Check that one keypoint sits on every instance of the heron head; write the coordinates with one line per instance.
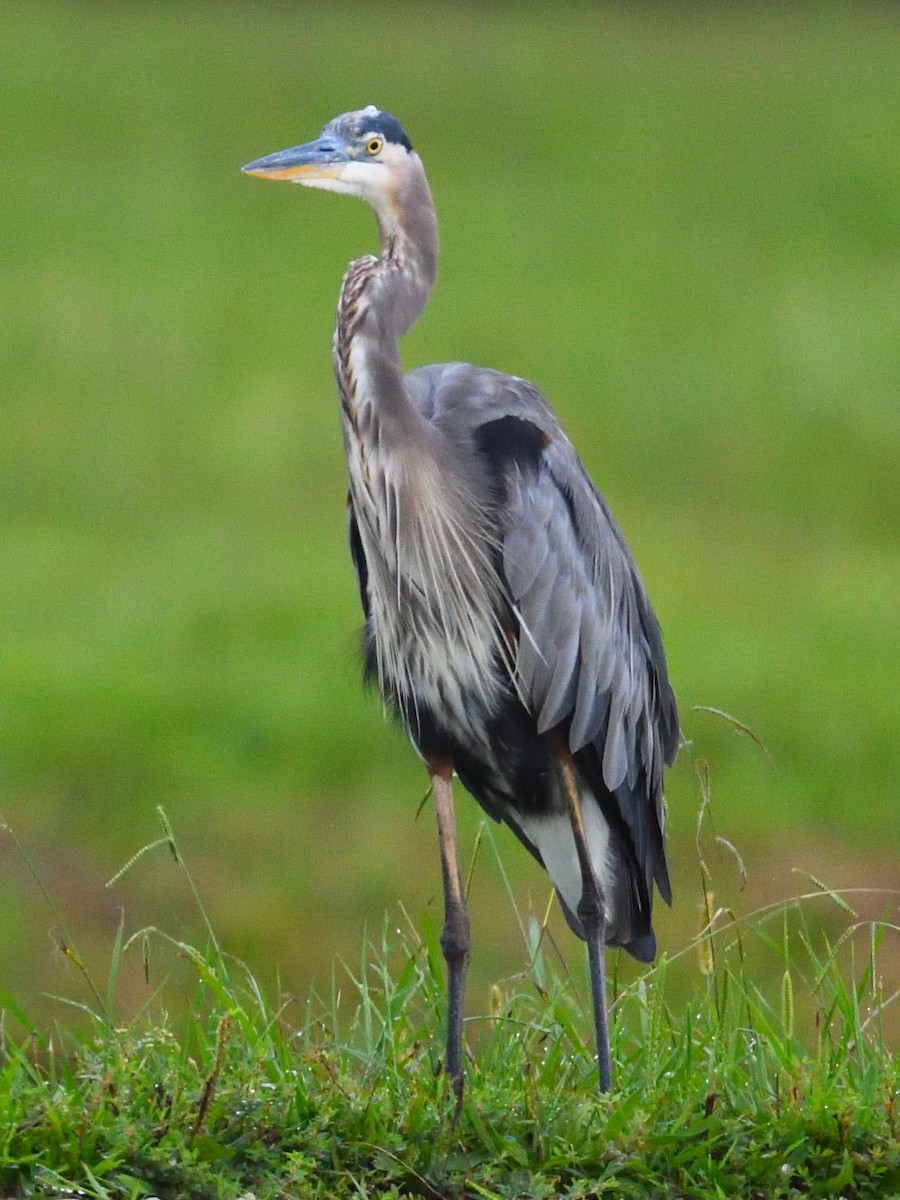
(364, 153)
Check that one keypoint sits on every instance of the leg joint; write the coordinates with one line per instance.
(454, 937)
(591, 910)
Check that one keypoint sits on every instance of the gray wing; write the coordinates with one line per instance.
(590, 651)
(595, 653)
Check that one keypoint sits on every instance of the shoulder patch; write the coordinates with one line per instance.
(512, 439)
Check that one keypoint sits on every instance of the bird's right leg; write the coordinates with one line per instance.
(455, 934)
(591, 913)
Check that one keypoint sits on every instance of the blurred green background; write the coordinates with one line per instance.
(680, 221)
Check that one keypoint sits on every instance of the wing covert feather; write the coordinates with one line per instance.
(590, 649)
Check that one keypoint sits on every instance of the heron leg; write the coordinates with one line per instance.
(455, 934)
(591, 915)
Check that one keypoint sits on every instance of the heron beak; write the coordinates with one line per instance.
(324, 158)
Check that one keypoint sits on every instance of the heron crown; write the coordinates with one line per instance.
(353, 126)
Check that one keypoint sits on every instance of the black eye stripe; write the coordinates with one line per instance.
(360, 126)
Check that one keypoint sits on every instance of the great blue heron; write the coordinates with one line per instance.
(506, 623)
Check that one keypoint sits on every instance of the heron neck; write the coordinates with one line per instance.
(404, 275)
(381, 299)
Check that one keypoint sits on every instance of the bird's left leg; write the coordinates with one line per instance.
(591, 913)
(455, 934)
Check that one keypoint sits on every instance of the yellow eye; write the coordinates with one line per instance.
(374, 145)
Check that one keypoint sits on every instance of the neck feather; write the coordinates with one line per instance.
(402, 278)
(381, 299)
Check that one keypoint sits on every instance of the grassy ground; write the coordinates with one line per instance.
(683, 225)
(738, 1092)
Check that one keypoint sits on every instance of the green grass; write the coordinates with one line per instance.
(680, 221)
(735, 1093)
